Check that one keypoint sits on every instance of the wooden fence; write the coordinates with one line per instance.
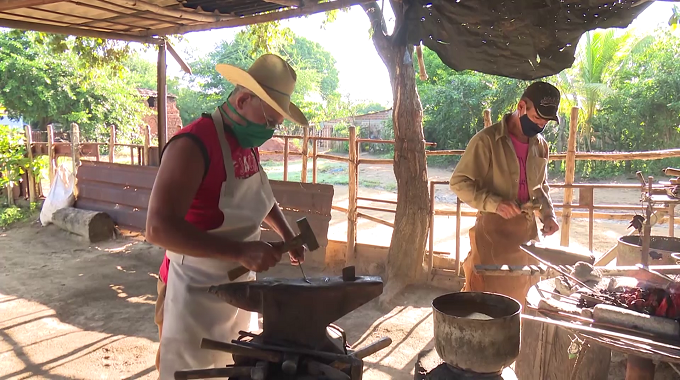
(147, 155)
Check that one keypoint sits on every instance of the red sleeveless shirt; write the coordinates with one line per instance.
(204, 211)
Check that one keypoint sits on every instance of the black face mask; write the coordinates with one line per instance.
(529, 128)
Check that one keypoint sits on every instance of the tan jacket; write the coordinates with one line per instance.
(488, 171)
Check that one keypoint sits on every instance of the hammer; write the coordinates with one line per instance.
(306, 237)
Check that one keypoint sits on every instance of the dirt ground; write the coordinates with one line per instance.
(73, 311)
(69, 310)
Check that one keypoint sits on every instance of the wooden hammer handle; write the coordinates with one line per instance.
(280, 246)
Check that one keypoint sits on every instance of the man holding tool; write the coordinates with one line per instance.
(503, 174)
(208, 202)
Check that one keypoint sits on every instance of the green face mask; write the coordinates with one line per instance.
(251, 134)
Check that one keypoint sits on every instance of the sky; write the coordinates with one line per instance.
(363, 75)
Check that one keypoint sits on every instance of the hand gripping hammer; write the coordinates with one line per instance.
(306, 237)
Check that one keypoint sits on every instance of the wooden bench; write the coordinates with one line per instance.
(123, 192)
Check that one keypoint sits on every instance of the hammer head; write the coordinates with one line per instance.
(307, 235)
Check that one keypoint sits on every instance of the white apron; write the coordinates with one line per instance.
(191, 313)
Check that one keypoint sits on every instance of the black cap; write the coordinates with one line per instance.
(546, 99)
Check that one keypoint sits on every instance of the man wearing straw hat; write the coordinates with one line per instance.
(207, 204)
(503, 169)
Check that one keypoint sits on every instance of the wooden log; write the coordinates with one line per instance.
(305, 153)
(93, 225)
(350, 257)
(31, 176)
(569, 177)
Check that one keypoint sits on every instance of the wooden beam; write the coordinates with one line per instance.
(286, 3)
(183, 15)
(119, 14)
(73, 31)
(8, 5)
(261, 18)
(162, 98)
(185, 67)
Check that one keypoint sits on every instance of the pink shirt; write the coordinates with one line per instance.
(522, 151)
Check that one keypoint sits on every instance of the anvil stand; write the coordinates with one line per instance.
(294, 342)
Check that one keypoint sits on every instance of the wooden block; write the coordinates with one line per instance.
(92, 225)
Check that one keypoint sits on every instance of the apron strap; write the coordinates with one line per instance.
(226, 149)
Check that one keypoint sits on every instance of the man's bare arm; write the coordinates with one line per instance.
(179, 176)
(276, 220)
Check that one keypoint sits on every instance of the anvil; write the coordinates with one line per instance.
(297, 313)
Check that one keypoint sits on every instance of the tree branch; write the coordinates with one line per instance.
(375, 16)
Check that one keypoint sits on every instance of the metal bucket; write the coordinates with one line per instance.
(629, 249)
(477, 332)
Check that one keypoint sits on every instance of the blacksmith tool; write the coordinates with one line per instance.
(299, 313)
(306, 237)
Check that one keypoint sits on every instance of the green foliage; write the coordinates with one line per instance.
(453, 104)
(46, 79)
(13, 214)
(316, 92)
(626, 86)
(12, 155)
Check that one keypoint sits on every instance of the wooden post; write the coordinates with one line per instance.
(112, 143)
(430, 264)
(132, 155)
(350, 258)
(162, 98)
(569, 177)
(75, 147)
(97, 153)
(647, 231)
(305, 151)
(671, 220)
(29, 152)
(10, 192)
(458, 219)
(487, 118)
(285, 158)
(314, 153)
(147, 139)
(585, 198)
(50, 151)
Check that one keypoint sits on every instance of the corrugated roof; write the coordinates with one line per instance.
(143, 20)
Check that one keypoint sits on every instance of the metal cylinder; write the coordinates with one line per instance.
(629, 249)
(477, 332)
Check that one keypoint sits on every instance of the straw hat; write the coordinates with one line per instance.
(271, 79)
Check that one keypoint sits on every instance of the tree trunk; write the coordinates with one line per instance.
(411, 222)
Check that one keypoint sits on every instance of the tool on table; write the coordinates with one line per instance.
(524, 247)
(306, 237)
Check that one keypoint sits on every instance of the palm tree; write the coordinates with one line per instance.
(599, 54)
